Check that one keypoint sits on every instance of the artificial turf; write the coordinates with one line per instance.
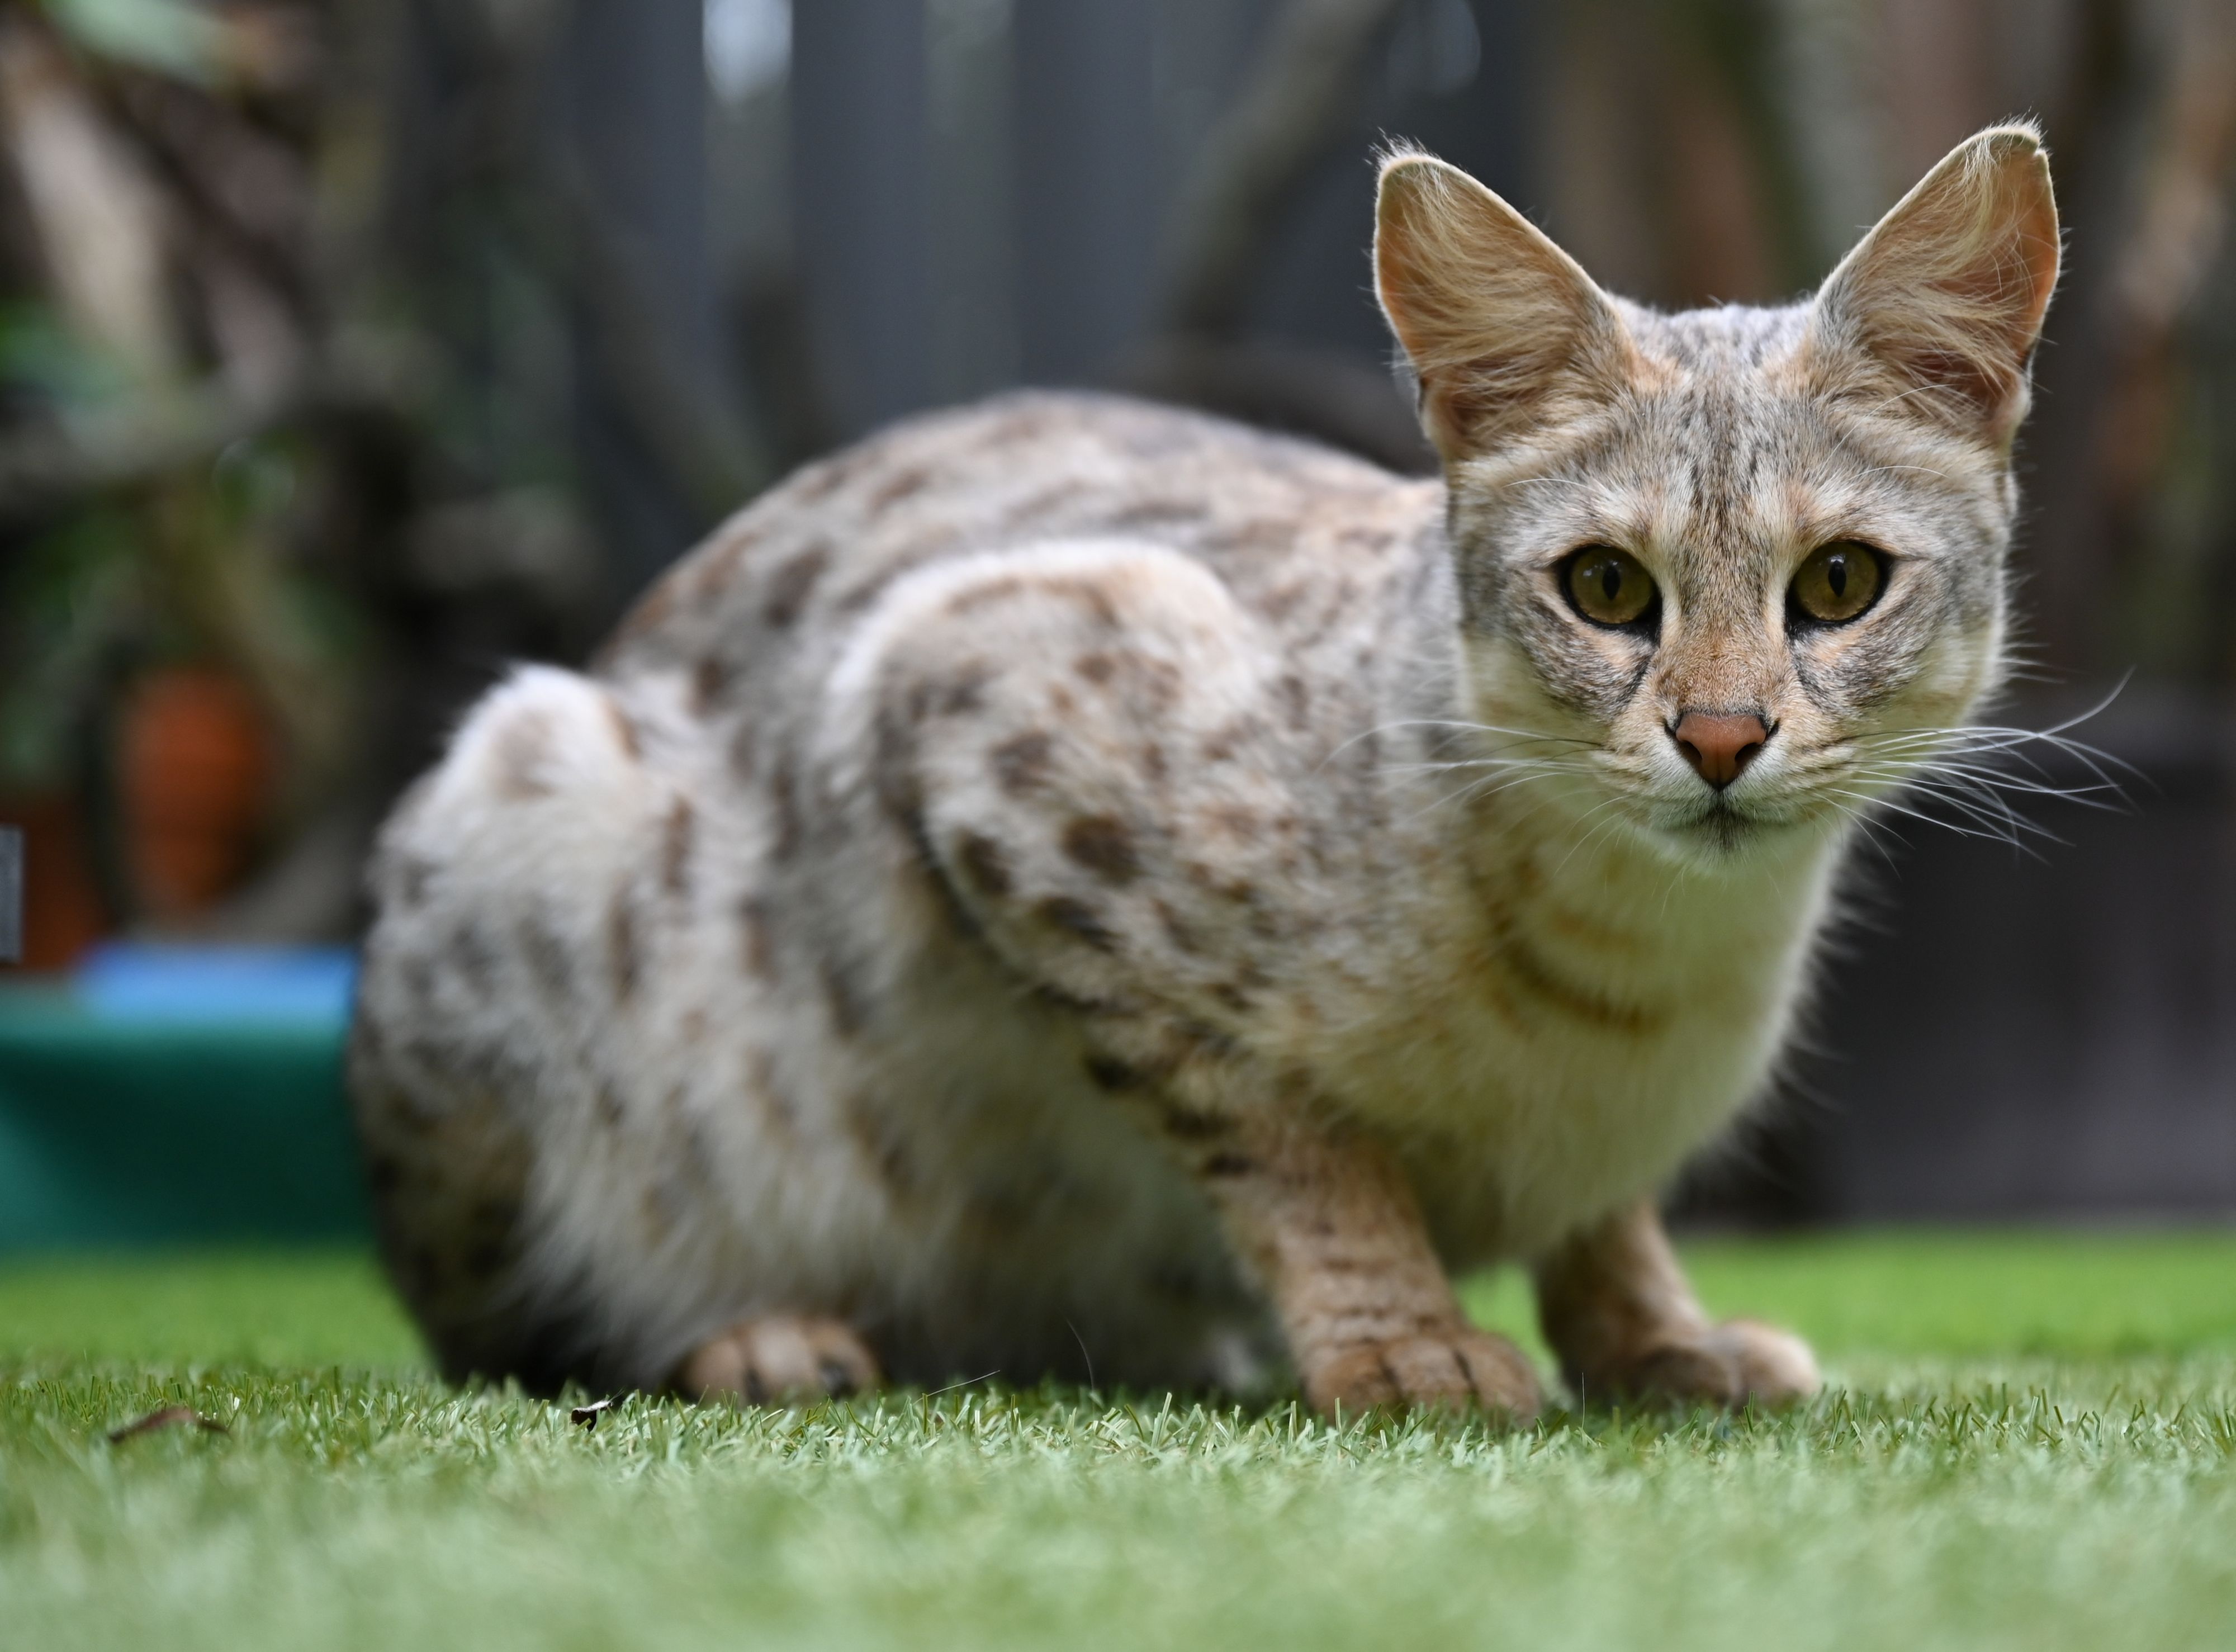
(2030, 1442)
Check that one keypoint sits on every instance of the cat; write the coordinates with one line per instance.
(1073, 887)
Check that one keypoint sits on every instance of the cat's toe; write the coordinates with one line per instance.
(780, 1359)
(1455, 1369)
(1739, 1363)
(1769, 1366)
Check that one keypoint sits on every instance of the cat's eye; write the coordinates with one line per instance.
(1838, 581)
(1610, 587)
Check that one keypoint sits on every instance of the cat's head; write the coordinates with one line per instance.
(1728, 564)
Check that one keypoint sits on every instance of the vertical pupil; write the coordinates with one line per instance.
(1835, 575)
(1611, 581)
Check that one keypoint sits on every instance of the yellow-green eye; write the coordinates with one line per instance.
(1609, 586)
(1838, 582)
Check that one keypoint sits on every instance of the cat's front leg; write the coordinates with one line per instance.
(1121, 788)
(1330, 1227)
(1615, 1305)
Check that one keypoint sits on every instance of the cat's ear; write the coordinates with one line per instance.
(1502, 327)
(1949, 291)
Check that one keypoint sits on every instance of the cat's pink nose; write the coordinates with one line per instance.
(1719, 744)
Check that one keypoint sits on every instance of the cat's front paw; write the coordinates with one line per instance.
(1457, 1368)
(1739, 1363)
(781, 1359)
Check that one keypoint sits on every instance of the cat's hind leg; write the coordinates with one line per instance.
(1615, 1304)
(779, 1358)
(484, 1067)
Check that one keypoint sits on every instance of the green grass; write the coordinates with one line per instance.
(2032, 1444)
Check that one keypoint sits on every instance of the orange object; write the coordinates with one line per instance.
(63, 912)
(194, 775)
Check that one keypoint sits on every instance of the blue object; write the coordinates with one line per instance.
(217, 984)
(176, 1095)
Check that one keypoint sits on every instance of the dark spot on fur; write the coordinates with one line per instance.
(1049, 501)
(790, 585)
(783, 802)
(1076, 918)
(1095, 668)
(1104, 845)
(470, 958)
(1205, 1042)
(1232, 820)
(1109, 1074)
(1093, 595)
(625, 956)
(966, 691)
(675, 848)
(412, 876)
(1079, 1002)
(1189, 1124)
(956, 694)
(844, 993)
(547, 957)
(1520, 963)
(1296, 698)
(821, 481)
(1021, 763)
(624, 731)
(710, 681)
(1232, 996)
(1228, 1165)
(1176, 929)
(1224, 741)
(1156, 513)
(611, 1113)
(761, 1078)
(983, 863)
(988, 590)
(1259, 533)
(649, 615)
(893, 491)
(758, 944)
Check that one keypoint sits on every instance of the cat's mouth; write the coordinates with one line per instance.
(1727, 825)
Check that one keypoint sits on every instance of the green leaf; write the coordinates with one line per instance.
(169, 36)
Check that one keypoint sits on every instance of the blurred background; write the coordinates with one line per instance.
(352, 349)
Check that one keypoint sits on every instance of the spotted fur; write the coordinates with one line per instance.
(1073, 887)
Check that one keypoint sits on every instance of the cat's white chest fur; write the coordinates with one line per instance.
(1558, 1049)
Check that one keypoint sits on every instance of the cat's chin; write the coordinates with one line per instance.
(1725, 836)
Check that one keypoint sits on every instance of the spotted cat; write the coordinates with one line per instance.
(1071, 886)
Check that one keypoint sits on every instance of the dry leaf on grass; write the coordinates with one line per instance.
(169, 1417)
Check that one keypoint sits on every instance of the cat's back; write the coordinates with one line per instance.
(1297, 531)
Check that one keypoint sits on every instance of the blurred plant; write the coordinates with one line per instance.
(265, 415)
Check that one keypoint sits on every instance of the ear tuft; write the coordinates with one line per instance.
(1499, 323)
(1949, 291)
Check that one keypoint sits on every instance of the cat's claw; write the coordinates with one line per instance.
(1737, 1364)
(780, 1359)
(1456, 1369)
